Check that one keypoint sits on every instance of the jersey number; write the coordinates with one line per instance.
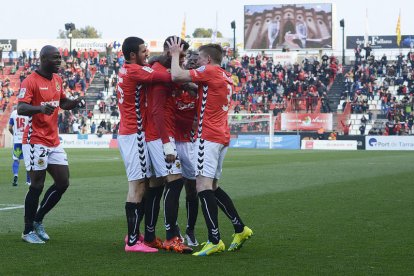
(229, 93)
(20, 123)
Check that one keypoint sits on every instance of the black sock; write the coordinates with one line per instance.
(171, 200)
(50, 199)
(30, 206)
(226, 205)
(141, 211)
(192, 212)
(132, 215)
(210, 212)
(152, 209)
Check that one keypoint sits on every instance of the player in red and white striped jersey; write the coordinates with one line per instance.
(164, 158)
(213, 136)
(131, 139)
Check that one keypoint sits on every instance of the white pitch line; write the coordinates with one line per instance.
(11, 207)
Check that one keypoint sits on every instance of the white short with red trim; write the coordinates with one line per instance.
(185, 151)
(38, 157)
(134, 153)
(159, 164)
(209, 158)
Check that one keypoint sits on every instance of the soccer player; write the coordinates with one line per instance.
(17, 125)
(131, 139)
(213, 136)
(41, 94)
(185, 112)
(163, 154)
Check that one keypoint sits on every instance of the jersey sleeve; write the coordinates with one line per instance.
(26, 92)
(59, 83)
(11, 121)
(201, 74)
(146, 74)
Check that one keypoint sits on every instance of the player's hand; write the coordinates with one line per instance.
(170, 152)
(47, 109)
(170, 158)
(174, 45)
(80, 102)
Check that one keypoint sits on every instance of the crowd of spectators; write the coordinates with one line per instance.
(266, 86)
(389, 82)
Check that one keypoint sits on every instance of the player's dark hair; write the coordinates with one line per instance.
(192, 53)
(183, 42)
(214, 51)
(131, 45)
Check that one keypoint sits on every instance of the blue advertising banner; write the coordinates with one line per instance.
(242, 143)
(262, 141)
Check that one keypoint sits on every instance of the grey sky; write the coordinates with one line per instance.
(155, 19)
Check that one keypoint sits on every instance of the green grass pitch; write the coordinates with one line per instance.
(312, 213)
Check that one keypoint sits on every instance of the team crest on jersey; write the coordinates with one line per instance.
(57, 86)
(22, 92)
(41, 162)
(201, 69)
(178, 164)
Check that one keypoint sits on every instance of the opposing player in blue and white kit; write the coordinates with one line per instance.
(17, 124)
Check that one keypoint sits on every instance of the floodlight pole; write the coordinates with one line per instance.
(70, 41)
(342, 23)
(233, 26)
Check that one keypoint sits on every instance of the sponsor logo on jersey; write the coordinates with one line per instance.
(185, 106)
(22, 92)
(146, 68)
(52, 103)
(43, 88)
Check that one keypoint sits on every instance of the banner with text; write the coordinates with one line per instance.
(329, 145)
(8, 45)
(85, 140)
(380, 41)
(307, 121)
(389, 142)
(279, 141)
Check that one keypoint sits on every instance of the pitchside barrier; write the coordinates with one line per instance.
(329, 145)
(389, 142)
(87, 141)
(261, 141)
(303, 141)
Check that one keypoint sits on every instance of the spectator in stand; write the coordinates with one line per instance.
(106, 84)
(368, 50)
(75, 127)
(362, 129)
(345, 128)
(2, 66)
(84, 129)
(358, 57)
(93, 128)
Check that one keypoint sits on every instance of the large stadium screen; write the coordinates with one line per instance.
(293, 26)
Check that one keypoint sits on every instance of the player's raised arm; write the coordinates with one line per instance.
(178, 74)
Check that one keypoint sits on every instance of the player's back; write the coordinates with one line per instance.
(215, 90)
(19, 123)
(161, 103)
